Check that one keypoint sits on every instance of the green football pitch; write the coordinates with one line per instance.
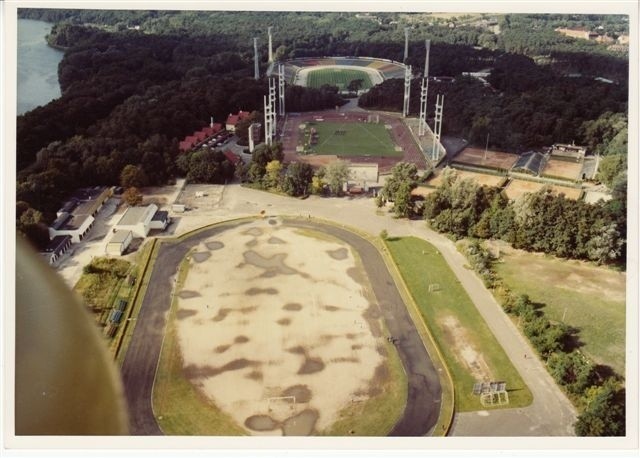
(340, 77)
(351, 139)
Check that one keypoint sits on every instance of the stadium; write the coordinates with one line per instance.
(347, 133)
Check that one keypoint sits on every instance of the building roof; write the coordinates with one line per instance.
(57, 244)
(86, 208)
(160, 215)
(233, 119)
(60, 220)
(530, 162)
(86, 194)
(135, 215)
(120, 236)
(232, 157)
(69, 206)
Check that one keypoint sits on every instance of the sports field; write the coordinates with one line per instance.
(349, 139)
(588, 298)
(340, 77)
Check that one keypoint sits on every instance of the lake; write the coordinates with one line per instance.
(37, 66)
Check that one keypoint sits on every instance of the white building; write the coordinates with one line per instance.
(137, 220)
(76, 226)
(119, 242)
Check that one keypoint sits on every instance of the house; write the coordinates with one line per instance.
(56, 248)
(234, 119)
(137, 220)
(574, 152)
(119, 242)
(77, 215)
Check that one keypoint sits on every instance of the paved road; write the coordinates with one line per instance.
(139, 368)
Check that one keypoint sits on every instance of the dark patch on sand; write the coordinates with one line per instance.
(261, 423)
(214, 245)
(345, 359)
(186, 294)
(255, 375)
(221, 348)
(356, 275)
(381, 350)
(284, 321)
(339, 254)
(302, 424)
(272, 265)
(356, 347)
(255, 231)
(276, 241)
(331, 308)
(299, 350)
(372, 312)
(301, 392)
(255, 291)
(381, 374)
(350, 335)
(292, 307)
(192, 371)
(250, 309)
(222, 314)
(241, 339)
(251, 243)
(201, 256)
(182, 314)
(273, 222)
(311, 366)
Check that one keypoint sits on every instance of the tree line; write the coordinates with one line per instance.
(598, 392)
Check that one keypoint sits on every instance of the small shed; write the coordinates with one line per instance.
(119, 242)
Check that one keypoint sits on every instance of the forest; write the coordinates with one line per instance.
(136, 82)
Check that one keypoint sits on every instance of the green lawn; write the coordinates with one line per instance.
(351, 139)
(340, 77)
(468, 346)
(589, 298)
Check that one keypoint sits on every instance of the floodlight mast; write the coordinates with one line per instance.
(270, 44)
(281, 110)
(406, 44)
(437, 129)
(407, 90)
(424, 91)
(256, 68)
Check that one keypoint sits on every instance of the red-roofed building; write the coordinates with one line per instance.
(234, 119)
(185, 146)
(200, 136)
(232, 157)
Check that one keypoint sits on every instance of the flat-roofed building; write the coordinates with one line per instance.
(574, 152)
(137, 220)
(119, 242)
(57, 247)
(75, 226)
(160, 220)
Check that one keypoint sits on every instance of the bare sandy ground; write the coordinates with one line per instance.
(276, 364)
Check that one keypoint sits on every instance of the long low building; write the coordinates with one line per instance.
(56, 248)
(140, 220)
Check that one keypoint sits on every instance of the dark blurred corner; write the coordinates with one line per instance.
(65, 382)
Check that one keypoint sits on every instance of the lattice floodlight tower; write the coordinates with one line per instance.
(407, 90)
(406, 43)
(272, 102)
(424, 90)
(256, 68)
(270, 44)
(267, 122)
(281, 89)
(437, 128)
